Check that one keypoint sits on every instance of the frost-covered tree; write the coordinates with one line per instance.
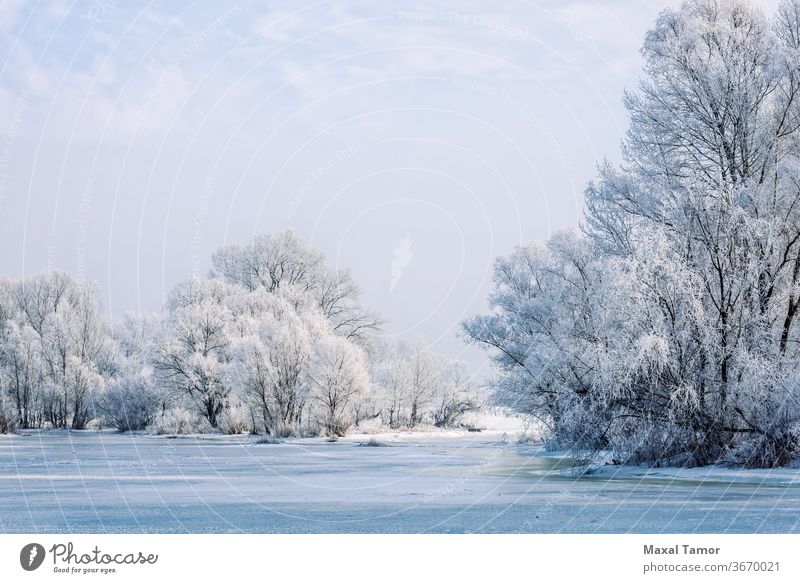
(270, 360)
(51, 348)
(711, 174)
(192, 358)
(133, 337)
(254, 344)
(271, 261)
(413, 385)
(675, 340)
(455, 395)
(390, 373)
(22, 371)
(274, 342)
(131, 399)
(339, 380)
(546, 333)
(8, 417)
(423, 376)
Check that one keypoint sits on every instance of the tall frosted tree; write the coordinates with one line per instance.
(191, 361)
(339, 381)
(679, 343)
(271, 355)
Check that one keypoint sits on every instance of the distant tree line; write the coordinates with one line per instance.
(273, 342)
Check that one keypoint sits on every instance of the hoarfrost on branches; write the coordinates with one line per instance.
(667, 332)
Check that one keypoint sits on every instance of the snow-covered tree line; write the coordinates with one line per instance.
(667, 331)
(274, 342)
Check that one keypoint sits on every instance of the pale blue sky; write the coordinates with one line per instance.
(413, 142)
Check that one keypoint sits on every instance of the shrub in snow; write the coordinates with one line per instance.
(236, 419)
(285, 431)
(309, 431)
(179, 421)
(373, 443)
(129, 403)
(528, 438)
(765, 451)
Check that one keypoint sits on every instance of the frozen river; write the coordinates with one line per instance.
(61, 481)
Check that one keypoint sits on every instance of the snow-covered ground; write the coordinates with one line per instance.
(453, 481)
